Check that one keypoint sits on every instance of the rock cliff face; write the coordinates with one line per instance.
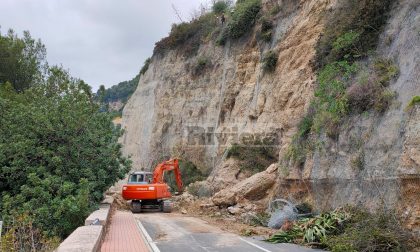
(174, 112)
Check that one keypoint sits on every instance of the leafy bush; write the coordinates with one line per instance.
(253, 158)
(243, 17)
(187, 37)
(270, 61)
(266, 29)
(220, 6)
(145, 66)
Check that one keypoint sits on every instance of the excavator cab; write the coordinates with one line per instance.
(140, 178)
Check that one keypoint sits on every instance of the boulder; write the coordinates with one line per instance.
(253, 188)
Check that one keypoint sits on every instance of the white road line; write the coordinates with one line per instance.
(255, 245)
(146, 235)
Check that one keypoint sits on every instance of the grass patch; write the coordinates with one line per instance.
(254, 158)
(415, 100)
(270, 61)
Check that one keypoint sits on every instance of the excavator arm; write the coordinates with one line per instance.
(168, 166)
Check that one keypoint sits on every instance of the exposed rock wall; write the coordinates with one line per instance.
(232, 95)
(173, 112)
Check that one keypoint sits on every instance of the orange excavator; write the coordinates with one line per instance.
(148, 190)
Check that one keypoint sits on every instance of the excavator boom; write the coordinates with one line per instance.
(169, 165)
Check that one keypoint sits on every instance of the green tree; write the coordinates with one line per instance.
(58, 153)
(22, 60)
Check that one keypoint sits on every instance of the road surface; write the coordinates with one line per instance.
(179, 233)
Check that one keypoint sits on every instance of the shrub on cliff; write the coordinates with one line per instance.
(145, 66)
(270, 61)
(58, 153)
(266, 31)
(352, 30)
(187, 36)
(221, 6)
(243, 17)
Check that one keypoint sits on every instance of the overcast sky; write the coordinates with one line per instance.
(100, 41)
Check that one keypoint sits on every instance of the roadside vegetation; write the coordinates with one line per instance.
(58, 152)
(351, 80)
(346, 230)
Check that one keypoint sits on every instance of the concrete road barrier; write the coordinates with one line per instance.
(102, 215)
(83, 239)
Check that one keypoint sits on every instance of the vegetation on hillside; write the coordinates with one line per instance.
(58, 152)
(120, 92)
(187, 37)
(346, 85)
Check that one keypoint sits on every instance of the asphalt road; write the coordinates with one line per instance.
(179, 233)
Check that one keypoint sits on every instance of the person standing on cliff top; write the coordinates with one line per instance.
(222, 19)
